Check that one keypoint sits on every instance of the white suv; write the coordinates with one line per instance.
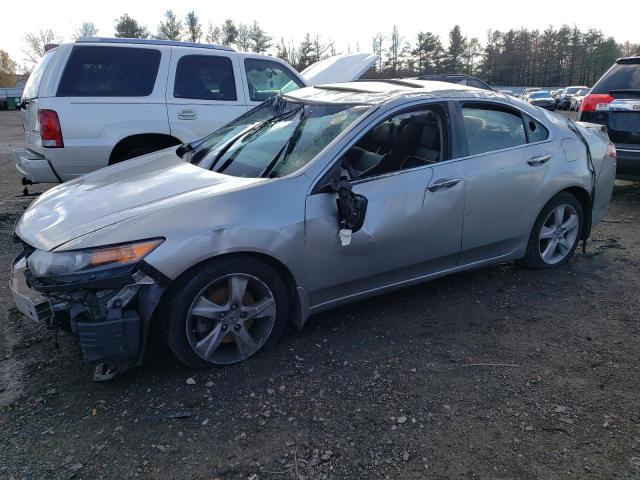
(99, 101)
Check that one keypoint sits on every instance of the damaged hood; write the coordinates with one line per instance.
(113, 194)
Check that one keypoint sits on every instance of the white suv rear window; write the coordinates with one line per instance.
(33, 84)
(93, 71)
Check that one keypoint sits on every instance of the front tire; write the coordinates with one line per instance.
(556, 233)
(224, 312)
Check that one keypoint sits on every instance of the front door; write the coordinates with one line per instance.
(413, 224)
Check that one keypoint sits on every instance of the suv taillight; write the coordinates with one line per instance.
(596, 101)
(611, 150)
(50, 131)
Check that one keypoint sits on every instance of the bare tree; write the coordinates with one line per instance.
(213, 34)
(243, 37)
(35, 44)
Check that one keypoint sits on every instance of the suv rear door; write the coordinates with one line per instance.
(204, 91)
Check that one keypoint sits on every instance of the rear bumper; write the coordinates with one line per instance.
(34, 167)
(628, 163)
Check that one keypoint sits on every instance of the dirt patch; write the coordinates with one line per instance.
(495, 373)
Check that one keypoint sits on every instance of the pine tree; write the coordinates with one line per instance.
(260, 41)
(455, 52)
(194, 28)
(171, 28)
(229, 34)
(127, 27)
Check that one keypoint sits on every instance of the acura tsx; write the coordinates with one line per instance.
(313, 199)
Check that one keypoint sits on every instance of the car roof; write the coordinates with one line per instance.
(152, 41)
(375, 92)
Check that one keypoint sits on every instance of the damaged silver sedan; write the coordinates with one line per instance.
(314, 199)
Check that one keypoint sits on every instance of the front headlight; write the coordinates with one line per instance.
(93, 260)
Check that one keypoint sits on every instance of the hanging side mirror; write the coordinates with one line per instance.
(352, 207)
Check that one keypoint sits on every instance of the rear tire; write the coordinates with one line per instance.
(556, 233)
(210, 316)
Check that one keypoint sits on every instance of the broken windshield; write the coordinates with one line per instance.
(274, 139)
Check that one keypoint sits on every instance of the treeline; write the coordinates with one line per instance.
(518, 57)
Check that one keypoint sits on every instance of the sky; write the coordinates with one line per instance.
(347, 23)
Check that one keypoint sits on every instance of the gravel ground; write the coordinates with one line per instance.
(497, 373)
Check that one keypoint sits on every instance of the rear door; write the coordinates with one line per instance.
(510, 155)
(204, 91)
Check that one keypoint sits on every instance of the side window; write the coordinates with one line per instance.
(408, 140)
(267, 78)
(536, 132)
(109, 72)
(205, 77)
(490, 129)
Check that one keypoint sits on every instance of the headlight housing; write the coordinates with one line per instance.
(90, 261)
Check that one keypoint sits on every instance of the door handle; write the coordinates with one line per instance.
(443, 184)
(187, 115)
(533, 161)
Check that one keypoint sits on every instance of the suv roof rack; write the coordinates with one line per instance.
(152, 41)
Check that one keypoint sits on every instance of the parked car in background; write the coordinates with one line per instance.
(564, 99)
(99, 101)
(541, 98)
(576, 100)
(507, 92)
(316, 198)
(527, 91)
(614, 101)
(460, 79)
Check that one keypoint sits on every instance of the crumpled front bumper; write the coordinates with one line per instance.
(110, 323)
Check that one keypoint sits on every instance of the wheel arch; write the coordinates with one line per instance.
(297, 297)
(586, 202)
(162, 140)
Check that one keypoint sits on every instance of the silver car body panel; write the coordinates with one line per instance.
(410, 233)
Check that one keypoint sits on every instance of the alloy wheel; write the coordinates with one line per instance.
(558, 234)
(231, 319)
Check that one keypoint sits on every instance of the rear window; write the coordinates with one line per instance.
(110, 72)
(490, 129)
(33, 84)
(624, 76)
